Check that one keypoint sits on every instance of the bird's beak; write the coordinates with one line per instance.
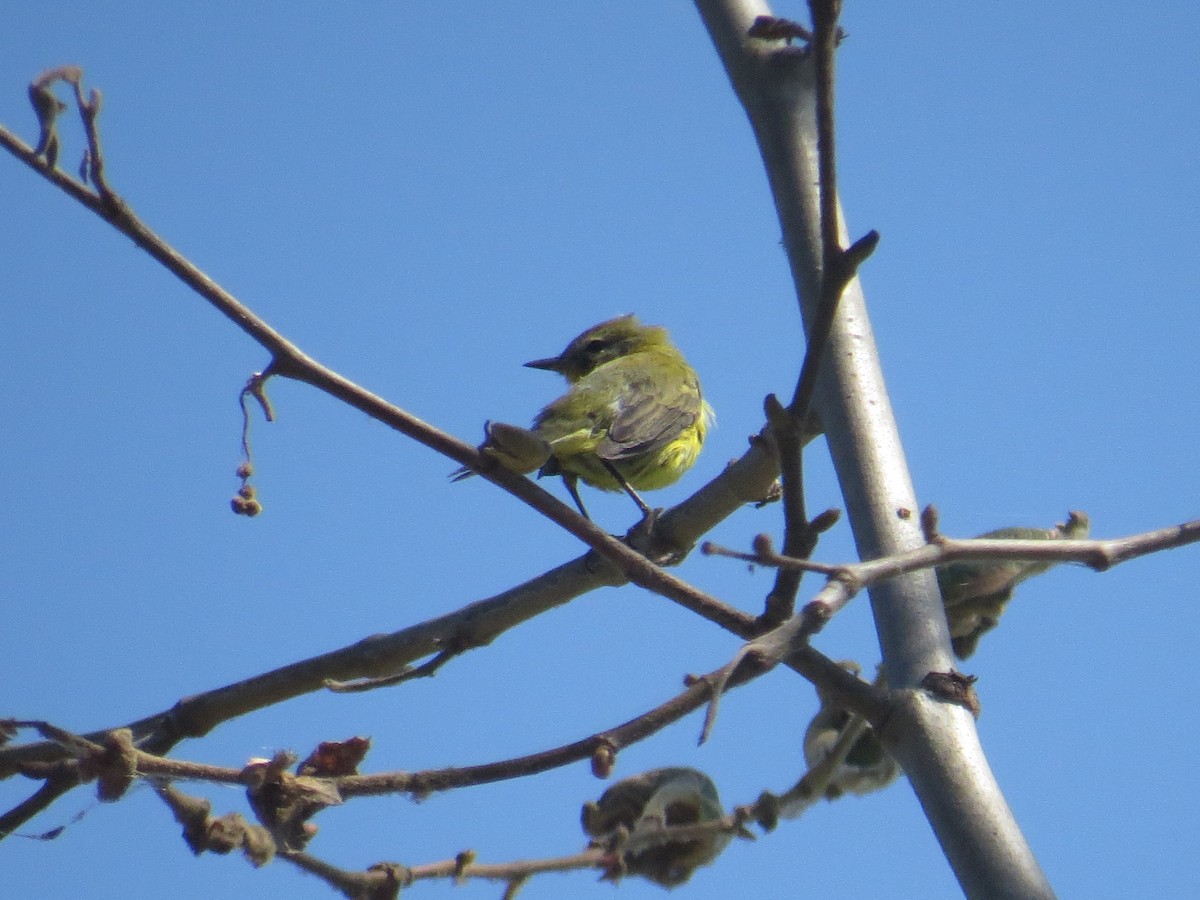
(550, 364)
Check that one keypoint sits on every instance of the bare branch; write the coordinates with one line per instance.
(934, 742)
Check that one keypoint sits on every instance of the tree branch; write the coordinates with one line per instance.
(936, 743)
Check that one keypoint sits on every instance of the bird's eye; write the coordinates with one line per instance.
(594, 346)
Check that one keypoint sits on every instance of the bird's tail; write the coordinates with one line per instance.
(517, 449)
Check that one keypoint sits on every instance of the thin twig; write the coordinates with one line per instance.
(847, 580)
(813, 784)
(453, 868)
(609, 742)
(53, 787)
(838, 269)
(289, 361)
(426, 670)
(799, 540)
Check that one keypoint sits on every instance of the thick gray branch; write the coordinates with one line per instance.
(935, 742)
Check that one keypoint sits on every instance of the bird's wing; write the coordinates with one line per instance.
(627, 417)
(648, 416)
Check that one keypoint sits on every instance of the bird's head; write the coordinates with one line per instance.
(601, 344)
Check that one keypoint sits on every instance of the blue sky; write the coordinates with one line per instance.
(424, 199)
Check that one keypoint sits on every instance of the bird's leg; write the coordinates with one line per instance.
(612, 470)
(572, 483)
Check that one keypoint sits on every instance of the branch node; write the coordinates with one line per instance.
(772, 28)
(954, 687)
(858, 252)
(604, 757)
(929, 524)
(825, 520)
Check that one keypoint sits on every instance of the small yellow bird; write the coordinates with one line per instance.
(633, 418)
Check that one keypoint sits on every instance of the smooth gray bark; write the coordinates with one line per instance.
(935, 742)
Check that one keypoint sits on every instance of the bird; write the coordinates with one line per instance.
(633, 417)
(975, 593)
(866, 767)
(674, 795)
